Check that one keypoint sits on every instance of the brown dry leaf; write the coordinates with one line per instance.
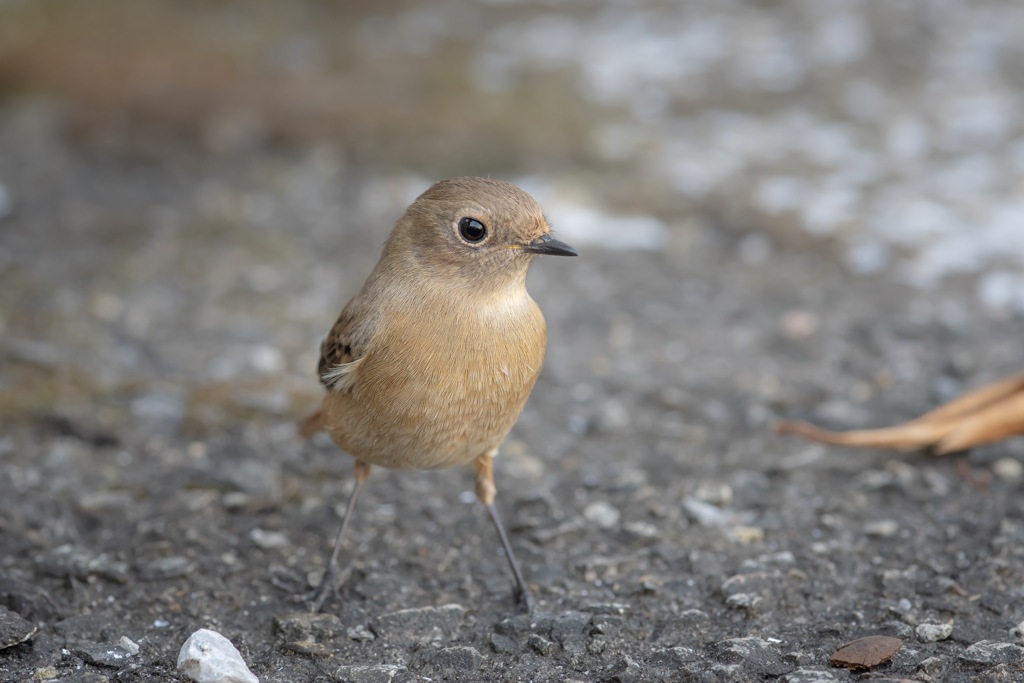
(988, 414)
(865, 653)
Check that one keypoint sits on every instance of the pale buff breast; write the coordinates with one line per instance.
(440, 386)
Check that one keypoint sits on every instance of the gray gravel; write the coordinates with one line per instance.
(163, 296)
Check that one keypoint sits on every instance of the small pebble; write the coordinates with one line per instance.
(165, 568)
(268, 540)
(503, 645)
(13, 628)
(541, 645)
(102, 654)
(930, 633)
(360, 633)
(128, 644)
(1018, 631)
(1008, 469)
(457, 658)
(420, 624)
(209, 657)
(799, 324)
(882, 528)
(372, 673)
(602, 514)
(993, 652)
(705, 514)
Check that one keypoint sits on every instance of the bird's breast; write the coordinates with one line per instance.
(441, 384)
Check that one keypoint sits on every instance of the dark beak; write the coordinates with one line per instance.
(546, 244)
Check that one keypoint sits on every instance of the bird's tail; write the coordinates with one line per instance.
(311, 425)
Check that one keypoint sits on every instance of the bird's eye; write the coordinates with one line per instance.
(472, 230)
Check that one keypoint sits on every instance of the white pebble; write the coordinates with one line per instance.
(930, 633)
(268, 540)
(1008, 469)
(129, 644)
(209, 657)
(882, 527)
(602, 514)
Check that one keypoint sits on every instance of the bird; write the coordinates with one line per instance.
(430, 364)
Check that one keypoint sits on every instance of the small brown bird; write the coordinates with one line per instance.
(430, 364)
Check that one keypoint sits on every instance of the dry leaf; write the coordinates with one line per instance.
(988, 414)
(865, 653)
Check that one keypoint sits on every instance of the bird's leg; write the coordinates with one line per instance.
(327, 584)
(485, 493)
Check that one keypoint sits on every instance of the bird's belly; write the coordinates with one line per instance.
(410, 417)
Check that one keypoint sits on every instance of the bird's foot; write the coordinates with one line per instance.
(524, 599)
(329, 585)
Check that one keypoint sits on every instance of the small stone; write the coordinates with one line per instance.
(607, 625)
(269, 540)
(1018, 631)
(13, 628)
(799, 324)
(993, 652)
(705, 514)
(165, 568)
(674, 657)
(626, 670)
(209, 657)
(933, 666)
(1008, 469)
(360, 634)
(102, 654)
(747, 601)
(755, 655)
(45, 673)
(747, 534)
(642, 530)
(865, 653)
(569, 526)
(541, 645)
(374, 673)
(420, 624)
(90, 627)
(130, 645)
(810, 676)
(882, 528)
(521, 624)
(160, 410)
(602, 514)
(931, 633)
(66, 561)
(301, 626)
(85, 677)
(503, 645)
(569, 625)
(310, 648)
(458, 658)
(27, 599)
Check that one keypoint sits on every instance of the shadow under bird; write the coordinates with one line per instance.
(430, 364)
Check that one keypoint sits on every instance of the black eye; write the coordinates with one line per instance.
(471, 229)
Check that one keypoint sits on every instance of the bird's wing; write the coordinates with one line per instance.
(344, 348)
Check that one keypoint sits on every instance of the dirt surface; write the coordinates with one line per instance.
(162, 302)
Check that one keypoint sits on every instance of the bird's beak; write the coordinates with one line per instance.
(546, 244)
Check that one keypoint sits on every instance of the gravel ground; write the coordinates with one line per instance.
(161, 309)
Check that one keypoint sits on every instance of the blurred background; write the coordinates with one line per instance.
(189, 191)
